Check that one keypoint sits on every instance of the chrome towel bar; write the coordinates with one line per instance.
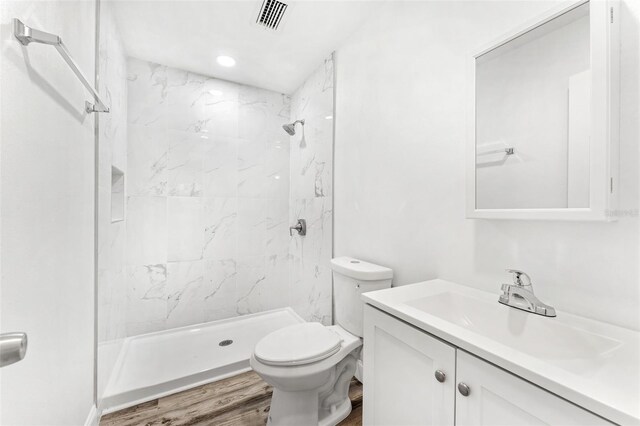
(26, 35)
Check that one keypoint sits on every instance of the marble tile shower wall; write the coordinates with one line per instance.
(207, 199)
(311, 196)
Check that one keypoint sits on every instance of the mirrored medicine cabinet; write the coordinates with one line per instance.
(543, 132)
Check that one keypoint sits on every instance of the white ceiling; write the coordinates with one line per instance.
(191, 34)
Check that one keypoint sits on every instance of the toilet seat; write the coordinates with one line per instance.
(298, 344)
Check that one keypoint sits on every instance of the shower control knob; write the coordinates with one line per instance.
(464, 389)
(301, 228)
(440, 376)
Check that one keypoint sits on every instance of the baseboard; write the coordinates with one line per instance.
(93, 417)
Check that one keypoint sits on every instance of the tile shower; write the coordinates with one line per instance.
(212, 185)
(208, 194)
(311, 190)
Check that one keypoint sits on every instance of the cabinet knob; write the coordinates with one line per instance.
(464, 389)
(440, 376)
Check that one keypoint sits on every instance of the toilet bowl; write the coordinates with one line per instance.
(309, 365)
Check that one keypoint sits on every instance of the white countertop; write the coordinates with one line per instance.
(607, 385)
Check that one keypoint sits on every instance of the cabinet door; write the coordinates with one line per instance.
(400, 361)
(497, 397)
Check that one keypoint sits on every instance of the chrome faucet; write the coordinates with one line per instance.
(300, 227)
(520, 295)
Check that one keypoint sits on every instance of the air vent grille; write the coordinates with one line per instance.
(271, 13)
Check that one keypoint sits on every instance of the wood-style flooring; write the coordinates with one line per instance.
(241, 400)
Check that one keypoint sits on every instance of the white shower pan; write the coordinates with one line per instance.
(157, 364)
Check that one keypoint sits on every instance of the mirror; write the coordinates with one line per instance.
(532, 112)
(538, 146)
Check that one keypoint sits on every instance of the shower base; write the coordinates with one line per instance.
(153, 365)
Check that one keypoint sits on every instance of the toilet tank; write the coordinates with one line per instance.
(351, 278)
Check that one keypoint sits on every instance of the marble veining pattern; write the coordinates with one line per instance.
(208, 198)
(185, 293)
(310, 196)
(220, 281)
(213, 185)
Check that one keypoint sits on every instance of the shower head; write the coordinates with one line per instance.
(291, 128)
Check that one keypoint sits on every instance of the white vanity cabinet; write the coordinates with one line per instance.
(400, 362)
(498, 397)
(401, 388)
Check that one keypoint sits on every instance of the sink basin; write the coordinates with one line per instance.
(541, 337)
(590, 363)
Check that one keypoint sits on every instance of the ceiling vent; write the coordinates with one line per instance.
(271, 13)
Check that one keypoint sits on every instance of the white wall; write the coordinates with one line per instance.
(400, 149)
(47, 187)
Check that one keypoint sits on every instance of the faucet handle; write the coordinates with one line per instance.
(520, 278)
(301, 228)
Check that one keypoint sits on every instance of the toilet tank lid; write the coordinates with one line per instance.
(359, 269)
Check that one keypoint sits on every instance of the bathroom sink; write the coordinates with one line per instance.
(590, 363)
(541, 337)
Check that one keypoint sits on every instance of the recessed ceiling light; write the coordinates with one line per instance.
(329, 117)
(225, 61)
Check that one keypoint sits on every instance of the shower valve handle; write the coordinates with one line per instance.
(301, 227)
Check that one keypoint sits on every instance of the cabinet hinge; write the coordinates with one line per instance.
(611, 185)
(611, 14)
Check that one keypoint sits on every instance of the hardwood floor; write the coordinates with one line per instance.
(239, 400)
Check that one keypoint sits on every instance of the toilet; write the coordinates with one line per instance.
(311, 365)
